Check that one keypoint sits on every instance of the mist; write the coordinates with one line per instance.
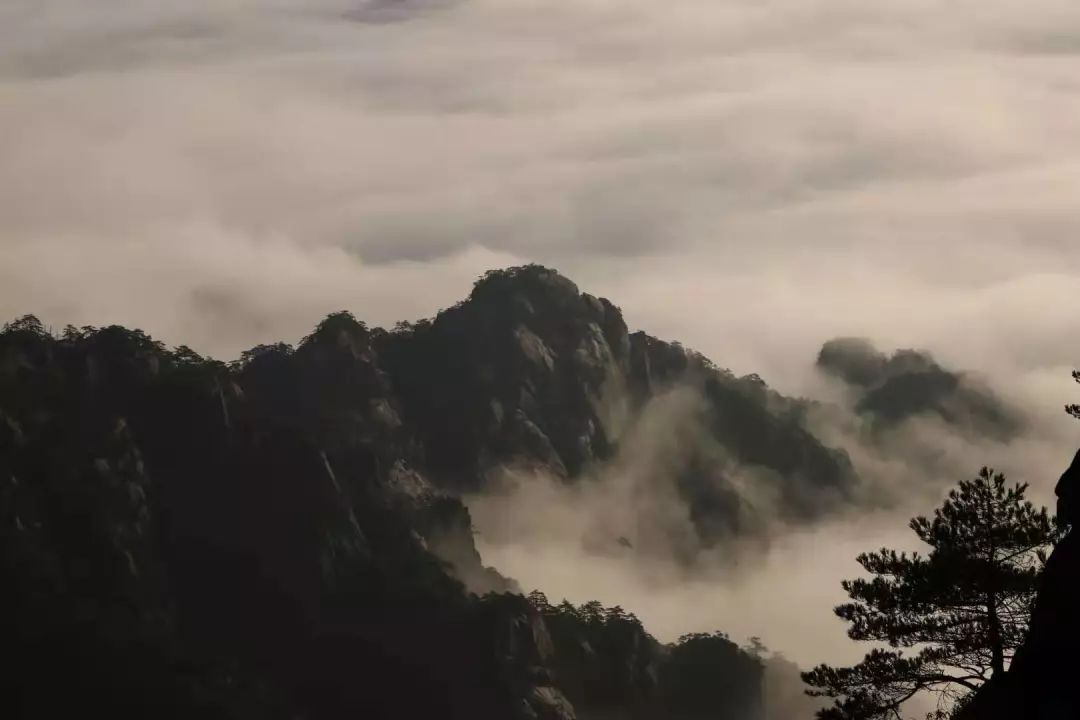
(624, 535)
(748, 178)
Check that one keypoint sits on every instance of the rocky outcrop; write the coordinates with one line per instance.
(525, 653)
(1039, 683)
(888, 389)
(537, 375)
(532, 370)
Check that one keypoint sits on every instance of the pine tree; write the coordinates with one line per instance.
(1072, 408)
(953, 617)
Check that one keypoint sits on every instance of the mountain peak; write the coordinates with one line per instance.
(889, 389)
(537, 281)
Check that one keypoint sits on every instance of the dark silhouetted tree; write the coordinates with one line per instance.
(540, 602)
(952, 618)
(1072, 408)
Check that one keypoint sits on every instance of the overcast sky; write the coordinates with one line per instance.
(750, 177)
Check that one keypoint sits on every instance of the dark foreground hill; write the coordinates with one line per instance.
(281, 536)
(1041, 681)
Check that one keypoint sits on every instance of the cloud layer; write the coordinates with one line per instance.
(186, 158)
(747, 177)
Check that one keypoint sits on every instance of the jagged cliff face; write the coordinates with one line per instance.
(531, 373)
(283, 535)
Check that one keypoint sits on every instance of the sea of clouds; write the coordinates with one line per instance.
(748, 177)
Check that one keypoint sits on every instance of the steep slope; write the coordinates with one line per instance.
(530, 369)
(530, 372)
(182, 538)
(282, 536)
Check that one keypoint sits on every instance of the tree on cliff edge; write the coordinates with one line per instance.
(960, 611)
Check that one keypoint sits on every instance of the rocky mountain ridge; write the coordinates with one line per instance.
(540, 375)
(282, 536)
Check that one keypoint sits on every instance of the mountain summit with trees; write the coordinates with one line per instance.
(281, 536)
